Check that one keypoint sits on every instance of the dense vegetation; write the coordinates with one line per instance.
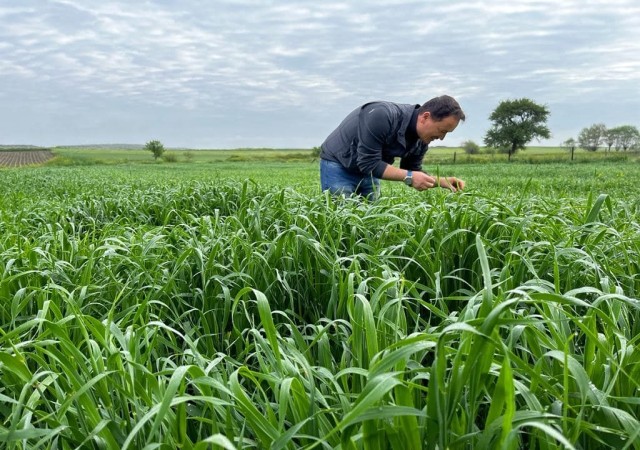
(234, 306)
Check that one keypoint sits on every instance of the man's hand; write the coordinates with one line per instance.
(422, 181)
(452, 183)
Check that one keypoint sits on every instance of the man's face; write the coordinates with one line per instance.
(429, 130)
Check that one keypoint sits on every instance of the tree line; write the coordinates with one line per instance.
(624, 137)
(515, 123)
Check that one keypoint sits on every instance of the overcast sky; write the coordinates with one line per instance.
(283, 74)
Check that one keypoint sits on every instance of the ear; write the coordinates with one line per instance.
(424, 116)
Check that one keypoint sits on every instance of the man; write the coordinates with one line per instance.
(361, 151)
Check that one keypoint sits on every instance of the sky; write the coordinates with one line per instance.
(283, 74)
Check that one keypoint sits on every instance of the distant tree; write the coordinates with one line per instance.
(610, 137)
(515, 124)
(591, 138)
(570, 144)
(315, 152)
(155, 147)
(470, 147)
(188, 155)
(626, 137)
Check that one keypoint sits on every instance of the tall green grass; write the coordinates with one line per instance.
(149, 308)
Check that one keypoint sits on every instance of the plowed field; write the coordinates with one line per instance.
(24, 158)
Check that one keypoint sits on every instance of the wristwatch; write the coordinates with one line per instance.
(408, 180)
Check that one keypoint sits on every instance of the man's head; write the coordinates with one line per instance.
(437, 117)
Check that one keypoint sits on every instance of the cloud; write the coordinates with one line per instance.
(212, 59)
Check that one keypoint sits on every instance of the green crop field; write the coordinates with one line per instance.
(230, 304)
(442, 155)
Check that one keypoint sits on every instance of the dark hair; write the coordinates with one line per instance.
(441, 107)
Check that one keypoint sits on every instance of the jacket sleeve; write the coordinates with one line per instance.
(375, 126)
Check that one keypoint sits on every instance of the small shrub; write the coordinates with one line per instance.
(470, 147)
(170, 157)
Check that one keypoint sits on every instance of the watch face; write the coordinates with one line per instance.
(408, 181)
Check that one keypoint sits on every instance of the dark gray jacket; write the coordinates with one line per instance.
(371, 137)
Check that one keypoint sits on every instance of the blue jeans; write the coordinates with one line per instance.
(337, 180)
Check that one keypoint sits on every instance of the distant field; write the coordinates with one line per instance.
(530, 155)
(71, 156)
(16, 155)
(9, 158)
(116, 156)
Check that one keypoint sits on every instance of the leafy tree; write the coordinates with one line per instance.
(610, 138)
(570, 144)
(470, 147)
(155, 147)
(626, 137)
(516, 123)
(591, 137)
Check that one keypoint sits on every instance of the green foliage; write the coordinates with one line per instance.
(515, 123)
(569, 144)
(591, 138)
(188, 155)
(625, 137)
(155, 147)
(436, 155)
(170, 157)
(470, 147)
(179, 306)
